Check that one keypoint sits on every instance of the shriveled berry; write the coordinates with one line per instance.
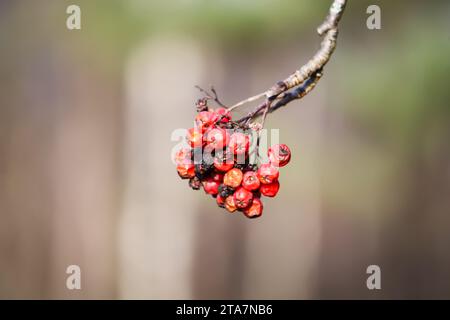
(194, 137)
(202, 170)
(230, 205)
(239, 143)
(205, 120)
(279, 155)
(195, 183)
(271, 189)
(224, 161)
(233, 178)
(210, 186)
(268, 173)
(250, 181)
(216, 138)
(242, 198)
(186, 171)
(255, 210)
(224, 115)
(220, 201)
(225, 190)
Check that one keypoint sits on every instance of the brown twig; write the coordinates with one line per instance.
(303, 80)
(210, 96)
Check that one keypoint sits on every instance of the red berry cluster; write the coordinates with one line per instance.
(218, 161)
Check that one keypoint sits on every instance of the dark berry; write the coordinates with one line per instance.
(195, 183)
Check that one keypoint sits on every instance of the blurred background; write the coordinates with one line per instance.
(86, 178)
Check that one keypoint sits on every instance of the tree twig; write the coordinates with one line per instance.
(304, 79)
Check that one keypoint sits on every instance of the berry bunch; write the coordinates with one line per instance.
(217, 159)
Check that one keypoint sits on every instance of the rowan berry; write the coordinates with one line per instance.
(195, 183)
(255, 210)
(220, 201)
(225, 190)
(186, 170)
(268, 173)
(230, 205)
(205, 119)
(194, 138)
(223, 161)
(217, 176)
(224, 115)
(242, 198)
(210, 186)
(250, 181)
(233, 178)
(279, 155)
(239, 143)
(216, 138)
(271, 189)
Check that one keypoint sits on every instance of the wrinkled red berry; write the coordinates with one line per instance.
(194, 138)
(255, 210)
(224, 115)
(210, 186)
(230, 205)
(233, 178)
(250, 181)
(224, 162)
(220, 201)
(205, 120)
(239, 143)
(243, 198)
(268, 173)
(271, 189)
(186, 171)
(279, 155)
(216, 138)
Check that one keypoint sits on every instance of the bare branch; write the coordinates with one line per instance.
(320, 59)
(210, 96)
(308, 75)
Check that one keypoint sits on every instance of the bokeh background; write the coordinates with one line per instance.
(86, 178)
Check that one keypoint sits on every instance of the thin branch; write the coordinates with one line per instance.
(240, 103)
(284, 98)
(210, 96)
(308, 74)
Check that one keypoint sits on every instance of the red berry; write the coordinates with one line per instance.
(223, 114)
(210, 186)
(217, 176)
(243, 198)
(220, 201)
(271, 189)
(186, 170)
(279, 155)
(250, 181)
(216, 138)
(205, 120)
(230, 205)
(255, 210)
(184, 155)
(194, 137)
(233, 178)
(268, 173)
(239, 143)
(224, 161)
